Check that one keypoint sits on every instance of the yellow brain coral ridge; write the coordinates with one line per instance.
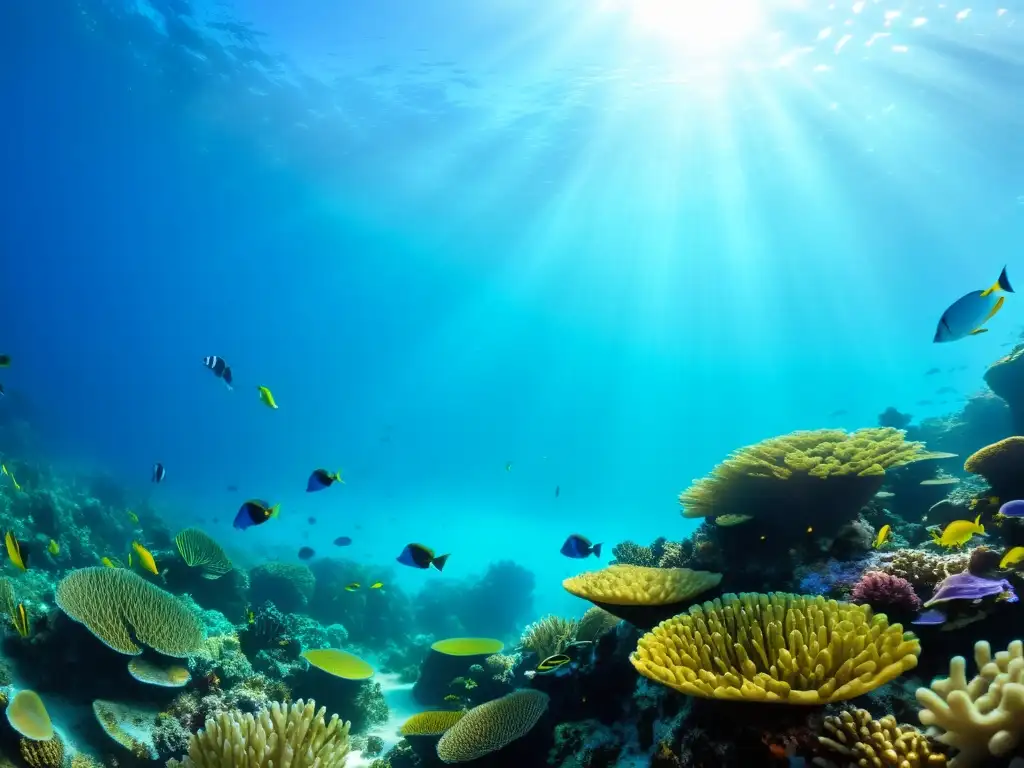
(198, 550)
(638, 585)
(868, 742)
(120, 607)
(492, 726)
(821, 453)
(285, 736)
(431, 723)
(775, 647)
(981, 718)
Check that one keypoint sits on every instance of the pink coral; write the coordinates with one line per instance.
(886, 592)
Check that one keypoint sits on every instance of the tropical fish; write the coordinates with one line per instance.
(419, 556)
(1013, 508)
(145, 558)
(159, 473)
(53, 548)
(14, 551)
(306, 553)
(558, 490)
(941, 481)
(2, 393)
(884, 495)
(945, 391)
(311, 520)
(377, 585)
(556, 665)
(232, 488)
(579, 547)
(959, 532)
(250, 616)
(112, 562)
(20, 620)
(321, 479)
(267, 398)
(220, 368)
(133, 517)
(883, 536)
(1012, 557)
(352, 587)
(966, 316)
(255, 512)
(342, 541)
(5, 471)
(932, 371)
(129, 559)
(837, 414)
(931, 617)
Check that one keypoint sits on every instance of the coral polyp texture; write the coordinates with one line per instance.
(200, 551)
(923, 569)
(808, 469)
(548, 636)
(42, 754)
(431, 723)
(284, 736)
(120, 607)
(884, 591)
(983, 717)
(868, 742)
(999, 463)
(776, 647)
(492, 726)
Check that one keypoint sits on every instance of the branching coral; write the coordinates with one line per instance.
(983, 717)
(631, 553)
(548, 636)
(491, 726)
(867, 742)
(776, 647)
(884, 591)
(285, 736)
(801, 474)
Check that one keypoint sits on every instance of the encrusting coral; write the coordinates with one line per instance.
(923, 569)
(548, 636)
(119, 607)
(284, 736)
(981, 718)
(492, 726)
(877, 743)
(776, 647)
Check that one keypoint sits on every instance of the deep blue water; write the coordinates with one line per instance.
(453, 235)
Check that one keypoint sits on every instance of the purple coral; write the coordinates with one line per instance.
(967, 586)
(886, 592)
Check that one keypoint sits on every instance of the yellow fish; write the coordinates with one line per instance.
(129, 559)
(250, 617)
(377, 585)
(959, 532)
(145, 558)
(882, 537)
(53, 548)
(133, 517)
(14, 552)
(108, 562)
(1012, 557)
(4, 470)
(267, 398)
(352, 587)
(20, 620)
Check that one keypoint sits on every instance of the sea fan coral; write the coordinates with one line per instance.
(883, 591)
(198, 550)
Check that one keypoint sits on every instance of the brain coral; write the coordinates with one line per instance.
(775, 647)
(285, 736)
(492, 726)
(287, 585)
(198, 550)
(120, 607)
(801, 474)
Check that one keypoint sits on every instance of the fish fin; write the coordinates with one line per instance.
(976, 331)
(995, 309)
(439, 561)
(1004, 282)
(597, 550)
(977, 520)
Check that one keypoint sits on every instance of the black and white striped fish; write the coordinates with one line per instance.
(220, 368)
(159, 472)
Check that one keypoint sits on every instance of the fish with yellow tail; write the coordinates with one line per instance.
(1012, 558)
(958, 533)
(966, 316)
(7, 473)
(20, 620)
(883, 536)
(18, 556)
(146, 559)
(267, 398)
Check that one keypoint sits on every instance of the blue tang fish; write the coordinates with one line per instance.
(966, 316)
(255, 512)
(419, 556)
(1013, 508)
(321, 479)
(579, 547)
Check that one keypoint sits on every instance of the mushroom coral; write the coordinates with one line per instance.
(776, 647)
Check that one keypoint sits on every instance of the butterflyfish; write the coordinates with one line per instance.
(220, 369)
(255, 512)
(145, 558)
(883, 536)
(15, 552)
(579, 547)
(267, 398)
(419, 556)
(966, 316)
(321, 479)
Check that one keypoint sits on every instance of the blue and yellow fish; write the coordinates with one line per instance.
(255, 512)
(966, 316)
(321, 479)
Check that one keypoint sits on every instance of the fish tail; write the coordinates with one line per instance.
(438, 562)
(1004, 282)
(597, 550)
(275, 510)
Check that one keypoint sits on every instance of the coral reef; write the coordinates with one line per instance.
(885, 592)
(548, 636)
(865, 741)
(287, 585)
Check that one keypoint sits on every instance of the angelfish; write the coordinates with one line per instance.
(966, 316)
(220, 368)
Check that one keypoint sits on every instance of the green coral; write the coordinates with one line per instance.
(120, 607)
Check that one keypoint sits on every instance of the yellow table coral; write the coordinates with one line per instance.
(776, 647)
(981, 718)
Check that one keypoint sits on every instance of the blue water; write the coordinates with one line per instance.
(451, 235)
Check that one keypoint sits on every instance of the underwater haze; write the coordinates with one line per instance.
(483, 251)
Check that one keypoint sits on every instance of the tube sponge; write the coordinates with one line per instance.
(492, 725)
(285, 736)
(120, 607)
(981, 718)
(776, 647)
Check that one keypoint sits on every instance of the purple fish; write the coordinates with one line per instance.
(579, 547)
(967, 586)
(930, 618)
(1013, 508)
